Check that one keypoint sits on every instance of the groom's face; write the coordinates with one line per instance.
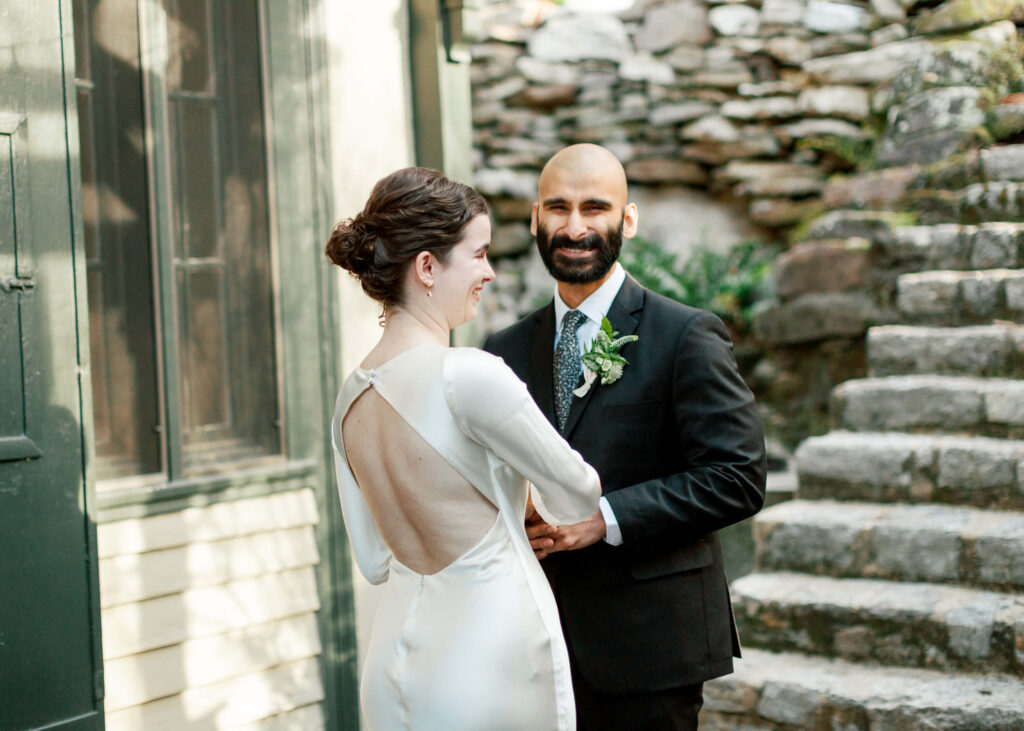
(580, 221)
(582, 260)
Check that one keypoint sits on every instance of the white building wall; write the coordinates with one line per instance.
(371, 136)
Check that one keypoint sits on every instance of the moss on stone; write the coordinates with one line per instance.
(957, 14)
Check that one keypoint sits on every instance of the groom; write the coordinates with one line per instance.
(677, 441)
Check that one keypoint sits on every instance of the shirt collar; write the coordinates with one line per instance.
(596, 306)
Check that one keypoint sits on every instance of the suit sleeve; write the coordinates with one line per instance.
(493, 407)
(719, 437)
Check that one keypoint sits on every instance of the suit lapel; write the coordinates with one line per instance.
(624, 317)
(541, 378)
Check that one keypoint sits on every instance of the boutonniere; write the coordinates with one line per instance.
(602, 358)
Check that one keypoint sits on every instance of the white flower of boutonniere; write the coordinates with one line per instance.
(602, 358)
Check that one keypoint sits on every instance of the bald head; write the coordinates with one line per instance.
(581, 216)
(586, 164)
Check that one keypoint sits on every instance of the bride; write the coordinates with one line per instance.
(433, 448)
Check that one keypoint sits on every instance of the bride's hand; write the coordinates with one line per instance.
(541, 534)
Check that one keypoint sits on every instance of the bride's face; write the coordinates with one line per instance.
(459, 282)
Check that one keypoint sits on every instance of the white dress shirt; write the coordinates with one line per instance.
(595, 307)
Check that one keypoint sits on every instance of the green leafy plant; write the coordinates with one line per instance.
(728, 284)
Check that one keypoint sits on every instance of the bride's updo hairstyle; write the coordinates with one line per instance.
(409, 211)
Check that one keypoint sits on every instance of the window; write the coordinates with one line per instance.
(182, 316)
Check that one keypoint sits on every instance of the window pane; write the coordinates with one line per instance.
(117, 245)
(199, 185)
(222, 253)
(205, 352)
(188, 40)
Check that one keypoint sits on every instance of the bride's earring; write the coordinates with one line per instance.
(430, 289)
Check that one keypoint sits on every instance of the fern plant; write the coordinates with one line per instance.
(728, 284)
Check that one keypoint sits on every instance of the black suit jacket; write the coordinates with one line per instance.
(678, 444)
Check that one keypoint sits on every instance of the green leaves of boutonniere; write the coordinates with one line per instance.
(602, 358)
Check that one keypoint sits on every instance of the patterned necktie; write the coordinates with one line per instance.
(567, 365)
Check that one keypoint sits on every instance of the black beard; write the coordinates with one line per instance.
(580, 272)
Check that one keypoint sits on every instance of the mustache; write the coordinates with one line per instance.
(587, 243)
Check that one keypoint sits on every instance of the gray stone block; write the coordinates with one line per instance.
(772, 107)
(790, 703)
(850, 102)
(917, 625)
(975, 467)
(877, 460)
(998, 550)
(577, 37)
(867, 67)
(931, 293)
(1014, 295)
(984, 350)
(822, 266)
(980, 296)
(914, 552)
(916, 248)
(961, 297)
(673, 23)
(891, 466)
(931, 125)
(734, 20)
(1005, 162)
(874, 226)
(995, 245)
(859, 696)
(818, 316)
(1005, 405)
(939, 543)
(997, 201)
(942, 403)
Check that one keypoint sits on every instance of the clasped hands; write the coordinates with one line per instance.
(546, 538)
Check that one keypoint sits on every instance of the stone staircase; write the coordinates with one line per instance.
(890, 593)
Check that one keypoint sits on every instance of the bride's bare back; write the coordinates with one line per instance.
(427, 513)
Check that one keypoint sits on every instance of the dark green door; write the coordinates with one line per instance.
(50, 663)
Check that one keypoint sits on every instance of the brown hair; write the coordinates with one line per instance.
(409, 211)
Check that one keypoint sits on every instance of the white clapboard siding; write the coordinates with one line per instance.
(168, 620)
(210, 523)
(242, 700)
(307, 718)
(135, 577)
(139, 678)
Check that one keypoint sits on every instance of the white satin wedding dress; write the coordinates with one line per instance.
(477, 645)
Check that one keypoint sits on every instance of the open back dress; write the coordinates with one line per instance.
(477, 644)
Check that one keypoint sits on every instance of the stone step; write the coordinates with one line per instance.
(873, 226)
(995, 201)
(935, 543)
(897, 467)
(961, 297)
(982, 350)
(992, 407)
(819, 316)
(787, 691)
(888, 622)
(1003, 163)
(952, 246)
(975, 203)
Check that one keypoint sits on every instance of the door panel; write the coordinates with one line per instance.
(50, 665)
(16, 285)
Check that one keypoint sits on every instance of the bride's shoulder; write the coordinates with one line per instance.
(471, 374)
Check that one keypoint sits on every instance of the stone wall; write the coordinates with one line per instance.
(740, 119)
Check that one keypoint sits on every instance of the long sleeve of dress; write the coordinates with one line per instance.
(493, 407)
(371, 552)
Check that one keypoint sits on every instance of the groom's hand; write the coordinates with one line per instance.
(579, 535)
(540, 533)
